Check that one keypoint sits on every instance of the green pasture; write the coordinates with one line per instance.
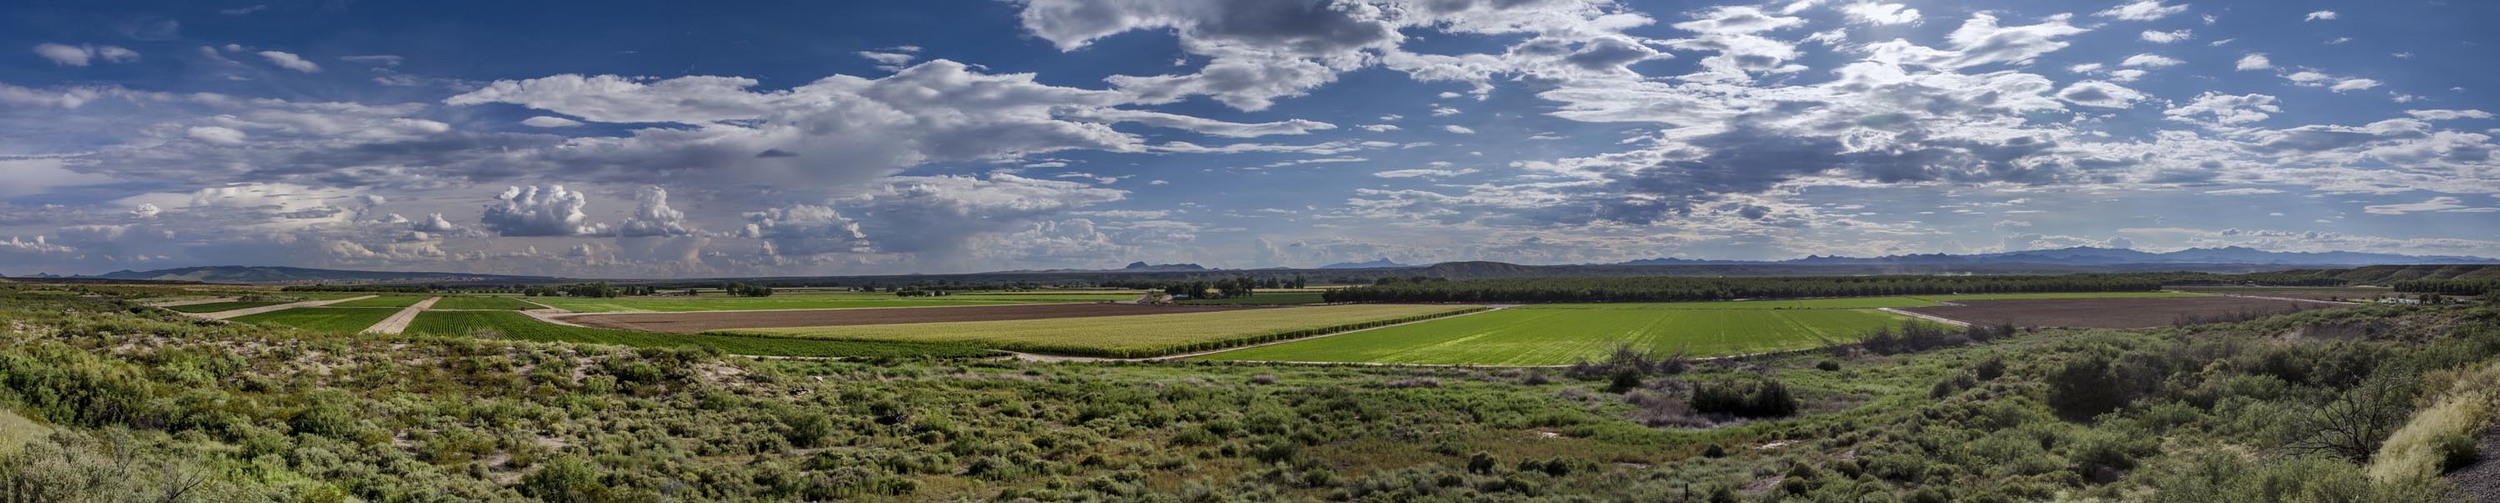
(383, 301)
(504, 303)
(1545, 335)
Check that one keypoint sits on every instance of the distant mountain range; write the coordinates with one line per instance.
(1383, 263)
(275, 275)
(2089, 256)
(2062, 261)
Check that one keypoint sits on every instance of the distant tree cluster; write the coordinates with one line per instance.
(747, 290)
(1680, 288)
(600, 289)
(2458, 287)
(922, 293)
(1234, 287)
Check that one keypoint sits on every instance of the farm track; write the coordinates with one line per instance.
(398, 322)
(221, 315)
(1928, 317)
(179, 303)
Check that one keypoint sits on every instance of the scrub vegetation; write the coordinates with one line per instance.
(517, 326)
(2343, 404)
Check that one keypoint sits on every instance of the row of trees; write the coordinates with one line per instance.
(595, 289)
(2462, 287)
(1234, 287)
(1678, 288)
(747, 290)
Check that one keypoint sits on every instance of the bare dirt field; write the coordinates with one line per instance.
(2347, 293)
(2111, 313)
(695, 322)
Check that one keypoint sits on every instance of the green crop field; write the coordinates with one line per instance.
(383, 301)
(1131, 336)
(505, 303)
(221, 306)
(325, 319)
(813, 300)
(522, 327)
(1262, 298)
(1852, 302)
(1539, 335)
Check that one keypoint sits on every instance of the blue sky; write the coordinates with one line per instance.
(662, 139)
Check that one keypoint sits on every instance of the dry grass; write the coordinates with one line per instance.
(2442, 436)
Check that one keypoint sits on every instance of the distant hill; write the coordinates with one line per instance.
(2385, 274)
(1383, 263)
(1145, 267)
(2090, 256)
(297, 275)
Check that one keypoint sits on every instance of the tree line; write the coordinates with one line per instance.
(1679, 288)
(2461, 287)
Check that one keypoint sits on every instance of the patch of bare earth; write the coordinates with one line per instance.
(696, 322)
(2112, 313)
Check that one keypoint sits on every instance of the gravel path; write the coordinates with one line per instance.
(220, 315)
(398, 322)
(2481, 480)
(1928, 317)
(190, 302)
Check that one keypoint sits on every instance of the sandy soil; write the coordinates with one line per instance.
(398, 322)
(221, 315)
(694, 322)
(2109, 313)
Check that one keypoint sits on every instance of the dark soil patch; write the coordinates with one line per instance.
(696, 322)
(2115, 313)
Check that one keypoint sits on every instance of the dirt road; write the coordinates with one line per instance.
(398, 322)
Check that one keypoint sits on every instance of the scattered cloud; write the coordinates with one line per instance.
(83, 55)
(2144, 10)
(290, 61)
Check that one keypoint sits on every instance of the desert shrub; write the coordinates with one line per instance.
(2352, 425)
(1622, 379)
(1950, 385)
(1989, 369)
(564, 479)
(2085, 387)
(1759, 397)
(1641, 362)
